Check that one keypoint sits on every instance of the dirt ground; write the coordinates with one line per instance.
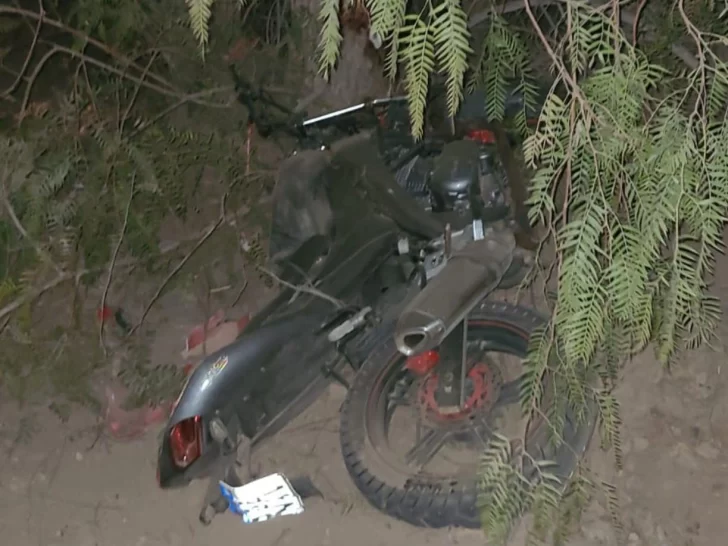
(59, 487)
(55, 489)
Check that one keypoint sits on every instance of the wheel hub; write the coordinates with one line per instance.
(482, 387)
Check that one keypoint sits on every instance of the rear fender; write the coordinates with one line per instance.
(226, 374)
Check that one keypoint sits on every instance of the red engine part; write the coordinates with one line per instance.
(423, 363)
(483, 136)
(486, 136)
(483, 386)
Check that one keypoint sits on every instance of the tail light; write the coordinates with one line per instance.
(185, 441)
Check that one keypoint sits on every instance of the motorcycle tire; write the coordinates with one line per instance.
(428, 501)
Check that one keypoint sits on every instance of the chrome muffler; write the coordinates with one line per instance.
(470, 274)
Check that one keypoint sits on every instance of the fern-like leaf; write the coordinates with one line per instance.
(330, 37)
(200, 12)
(417, 51)
(452, 43)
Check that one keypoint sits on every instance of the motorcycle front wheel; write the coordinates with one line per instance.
(397, 475)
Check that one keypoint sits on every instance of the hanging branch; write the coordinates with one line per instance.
(143, 77)
(31, 50)
(114, 257)
(19, 226)
(627, 17)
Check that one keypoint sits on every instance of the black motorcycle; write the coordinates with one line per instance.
(386, 248)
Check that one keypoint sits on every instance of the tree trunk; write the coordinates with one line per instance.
(358, 75)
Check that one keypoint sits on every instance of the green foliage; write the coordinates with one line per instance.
(117, 22)
(630, 185)
(78, 189)
(200, 13)
(331, 37)
(504, 58)
(437, 37)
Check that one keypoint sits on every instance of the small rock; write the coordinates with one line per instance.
(682, 455)
(598, 532)
(16, 484)
(79, 456)
(634, 540)
(640, 444)
(707, 451)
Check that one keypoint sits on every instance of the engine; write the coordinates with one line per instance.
(463, 179)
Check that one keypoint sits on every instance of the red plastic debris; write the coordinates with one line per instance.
(104, 313)
(197, 335)
(126, 425)
(422, 363)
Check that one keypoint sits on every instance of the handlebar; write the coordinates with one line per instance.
(260, 104)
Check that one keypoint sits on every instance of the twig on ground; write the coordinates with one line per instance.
(4, 324)
(78, 275)
(33, 294)
(281, 537)
(180, 265)
(241, 291)
(302, 289)
(115, 255)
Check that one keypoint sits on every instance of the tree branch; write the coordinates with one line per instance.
(302, 289)
(41, 15)
(83, 36)
(115, 255)
(31, 80)
(180, 265)
(187, 97)
(626, 16)
(161, 86)
(33, 294)
(19, 226)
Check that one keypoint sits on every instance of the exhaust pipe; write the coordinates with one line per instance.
(470, 275)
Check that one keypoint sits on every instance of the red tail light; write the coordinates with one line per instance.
(185, 441)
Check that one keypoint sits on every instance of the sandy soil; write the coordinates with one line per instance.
(56, 490)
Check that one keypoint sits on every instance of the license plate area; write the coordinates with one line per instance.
(264, 499)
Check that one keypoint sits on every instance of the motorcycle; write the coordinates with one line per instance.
(386, 249)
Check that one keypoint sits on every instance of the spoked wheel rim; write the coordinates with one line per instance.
(491, 386)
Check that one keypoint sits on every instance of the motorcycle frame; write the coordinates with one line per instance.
(268, 384)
